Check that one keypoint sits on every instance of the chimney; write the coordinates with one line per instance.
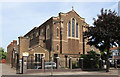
(14, 41)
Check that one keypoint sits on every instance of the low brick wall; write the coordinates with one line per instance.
(49, 70)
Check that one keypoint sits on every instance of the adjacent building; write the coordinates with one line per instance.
(11, 53)
(115, 54)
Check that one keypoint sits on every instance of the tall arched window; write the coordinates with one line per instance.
(57, 47)
(41, 33)
(69, 29)
(57, 32)
(48, 33)
(73, 27)
(77, 30)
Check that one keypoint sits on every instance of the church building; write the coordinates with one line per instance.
(60, 36)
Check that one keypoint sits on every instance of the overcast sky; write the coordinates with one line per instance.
(20, 17)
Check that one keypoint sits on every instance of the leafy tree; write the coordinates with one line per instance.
(105, 33)
(87, 59)
(103, 55)
(2, 54)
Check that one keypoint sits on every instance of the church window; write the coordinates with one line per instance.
(57, 32)
(76, 30)
(73, 27)
(48, 32)
(41, 32)
(69, 29)
(57, 47)
(37, 34)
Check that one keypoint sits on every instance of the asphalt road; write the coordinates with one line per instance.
(61, 76)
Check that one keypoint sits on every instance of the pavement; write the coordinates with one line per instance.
(7, 70)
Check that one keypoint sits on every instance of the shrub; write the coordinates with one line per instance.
(74, 65)
(88, 62)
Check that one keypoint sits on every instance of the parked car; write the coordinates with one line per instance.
(48, 65)
(38, 67)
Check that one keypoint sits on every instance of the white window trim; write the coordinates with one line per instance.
(71, 30)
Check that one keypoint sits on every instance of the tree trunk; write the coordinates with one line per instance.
(107, 60)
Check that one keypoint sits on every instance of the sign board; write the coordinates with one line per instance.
(25, 54)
